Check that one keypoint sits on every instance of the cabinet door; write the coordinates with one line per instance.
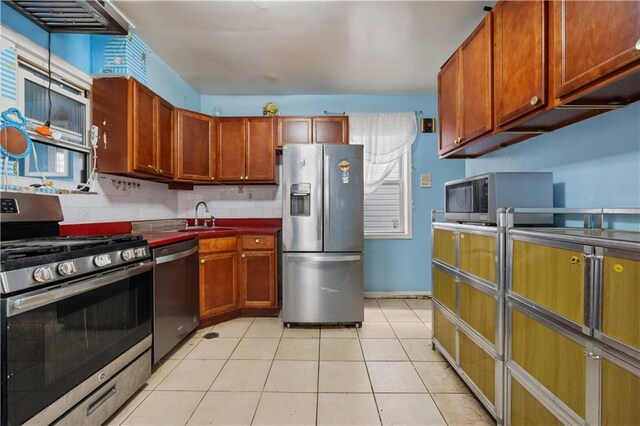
(230, 150)
(294, 130)
(520, 58)
(479, 366)
(592, 40)
(166, 138)
(195, 146)
(477, 256)
(331, 130)
(258, 273)
(444, 246)
(478, 310)
(621, 299)
(261, 150)
(526, 410)
(449, 104)
(445, 331)
(144, 129)
(444, 289)
(476, 85)
(218, 283)
(619, 392)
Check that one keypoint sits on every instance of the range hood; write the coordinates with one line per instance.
(73, 16)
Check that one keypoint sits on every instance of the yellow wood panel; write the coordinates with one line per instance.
(217, 244)
(620, 396)
(621, 300)
(444, 289)
(550, 276)
(557, 362)
(444, 331)
(478, 310)
(444, 246)
(478, 256)
(479, 366)
(526, 410)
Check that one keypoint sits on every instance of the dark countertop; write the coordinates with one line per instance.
(157, 239)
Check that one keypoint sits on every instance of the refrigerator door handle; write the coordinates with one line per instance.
(327, 198)
(347, 258)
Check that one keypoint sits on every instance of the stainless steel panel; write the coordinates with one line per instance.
(343, 198)
(175, 295)
(323, 288)
(302, 164)
(32, 208)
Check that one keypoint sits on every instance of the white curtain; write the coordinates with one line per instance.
(386, 137)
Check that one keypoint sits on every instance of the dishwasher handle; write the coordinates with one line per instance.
(175, 256)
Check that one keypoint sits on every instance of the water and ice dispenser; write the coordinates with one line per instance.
(300, 199)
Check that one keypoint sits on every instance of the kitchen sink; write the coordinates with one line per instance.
(205, 228)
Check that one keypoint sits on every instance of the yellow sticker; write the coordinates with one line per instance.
(618, 268)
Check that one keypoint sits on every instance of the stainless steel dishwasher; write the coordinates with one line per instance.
(175, 295)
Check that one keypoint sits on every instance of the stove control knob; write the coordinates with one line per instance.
(67, 268)
(102, 260)
(43, 274)
(127, 255)
(140, 252)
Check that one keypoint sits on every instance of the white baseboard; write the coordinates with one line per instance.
(397, 294)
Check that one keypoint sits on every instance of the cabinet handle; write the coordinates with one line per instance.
(257, 240)
(202, 260)
(244, 255)
(246, 178)
(241, 177)
(212, 178)
(161, 171)
(575, 260)
(534, 100)
(638, 44)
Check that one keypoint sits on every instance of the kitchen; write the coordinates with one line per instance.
(588, 160)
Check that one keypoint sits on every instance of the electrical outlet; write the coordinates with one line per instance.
(425, 180)
(240, 189)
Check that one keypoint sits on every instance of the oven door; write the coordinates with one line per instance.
(55, 339)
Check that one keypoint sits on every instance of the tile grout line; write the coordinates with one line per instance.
(253, 418)
(366, 366)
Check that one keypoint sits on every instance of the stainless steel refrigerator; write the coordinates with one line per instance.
(323, 234)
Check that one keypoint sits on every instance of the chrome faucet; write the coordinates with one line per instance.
(206, 209)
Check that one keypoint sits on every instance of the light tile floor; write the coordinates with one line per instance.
(259, 373)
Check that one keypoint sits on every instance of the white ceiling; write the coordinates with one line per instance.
(305, 47)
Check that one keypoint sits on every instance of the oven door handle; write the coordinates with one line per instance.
(19, 304)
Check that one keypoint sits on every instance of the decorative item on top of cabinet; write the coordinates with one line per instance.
(322, 129)
(136, 129)
(245, 150)
(592, 40)
(218, 276)
(519, 35)
(465, 94)
(258, 273)
(195, 146)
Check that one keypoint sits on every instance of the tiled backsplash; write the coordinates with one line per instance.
(126, 201)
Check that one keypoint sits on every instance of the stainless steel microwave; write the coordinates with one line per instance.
(477, 198)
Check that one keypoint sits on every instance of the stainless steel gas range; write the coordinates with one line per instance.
(75, 317)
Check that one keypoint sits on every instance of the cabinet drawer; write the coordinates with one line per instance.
(478, 309)
(557, 362)
(217, 244)
(620, 390)
(258, 242)
(444, 246)
(478, 256)
(526, 410)
(444, 288)
(478, 365)
(550, 276)
(444, 331)
(621, 300)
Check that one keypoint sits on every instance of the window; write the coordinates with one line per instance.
(387, 211)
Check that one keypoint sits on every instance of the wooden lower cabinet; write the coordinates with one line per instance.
(258, 271)
(550, 276)
(444, 289)
(557, 362)
(478, 365)
(218, 276)
(477, 255)
(526, 410)
(444, 331)
(478, 310)
(620, 390)
(444, 246)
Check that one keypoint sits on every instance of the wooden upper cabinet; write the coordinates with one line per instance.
(465, 96)
(331, 130)
(519, 29)
(136, 129)
(476, 74)
(245, 150)
(195, 146)
(449, 104)
(591, 40)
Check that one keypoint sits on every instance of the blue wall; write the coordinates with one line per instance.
(85, 52)
(595, 163)
(390, 265)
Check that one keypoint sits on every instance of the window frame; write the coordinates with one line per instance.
(406, 203)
